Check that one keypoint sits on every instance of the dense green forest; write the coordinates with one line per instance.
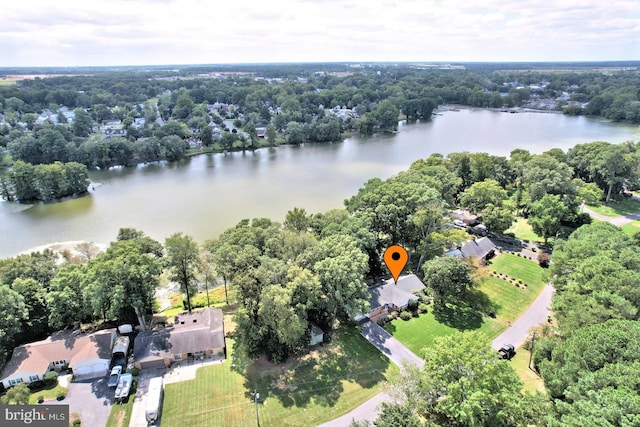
(119, 118)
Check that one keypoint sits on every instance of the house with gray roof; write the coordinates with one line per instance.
(193, 335)
(390, 296)
(483, 249)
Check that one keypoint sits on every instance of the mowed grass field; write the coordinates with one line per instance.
(505, 300)
(523, 231)
(631, 228)
(304, 392)
(520, 363)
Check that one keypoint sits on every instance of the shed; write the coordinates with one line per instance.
(317, 334)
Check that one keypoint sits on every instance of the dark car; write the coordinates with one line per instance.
(507, 351)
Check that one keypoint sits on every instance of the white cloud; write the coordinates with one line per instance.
(105, 32)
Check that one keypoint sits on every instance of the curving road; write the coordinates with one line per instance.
(536, 314)
(517, 334)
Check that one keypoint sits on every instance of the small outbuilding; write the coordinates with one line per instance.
(317, 335)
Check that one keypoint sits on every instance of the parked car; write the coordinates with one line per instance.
(114, 376)
(507, 351)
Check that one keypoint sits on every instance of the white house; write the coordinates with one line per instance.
(88, 355)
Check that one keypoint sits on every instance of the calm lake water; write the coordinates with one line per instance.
(204, 195)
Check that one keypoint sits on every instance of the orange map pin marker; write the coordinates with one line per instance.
(396, 258)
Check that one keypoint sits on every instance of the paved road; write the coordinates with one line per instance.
(367, 411)
(615, 220)
(517, 334)
(536, 314)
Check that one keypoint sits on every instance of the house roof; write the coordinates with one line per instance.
(464, 215)
(35, 357)
(398, 294)
(478, 248)
(191, 332)
(151, 345)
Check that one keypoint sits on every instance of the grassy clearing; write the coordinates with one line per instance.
(631, 228)
(120, 415)
(504, 300)
(47, 392)
(523, 231)
(617, 208)
(305, 392)
(518, 268)
(520, 363)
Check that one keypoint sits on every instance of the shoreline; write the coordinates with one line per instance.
(67, 248)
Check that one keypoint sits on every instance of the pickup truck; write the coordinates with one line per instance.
(124, 386)
(507, 351)
(114, 377)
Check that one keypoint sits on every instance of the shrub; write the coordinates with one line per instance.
(412, 305)
(415, 313)
(393, 314)
(40, 399)
(76, 423)
(134, 371)
(51, 378)
(544, 259)
(405, 315)
(423, 308)
(61, 395)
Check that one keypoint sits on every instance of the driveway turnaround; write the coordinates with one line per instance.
(389, 346)
(90, 399)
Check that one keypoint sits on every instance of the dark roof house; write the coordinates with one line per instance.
(483, 249)
(195, 334)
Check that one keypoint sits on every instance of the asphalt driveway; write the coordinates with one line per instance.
(91, 399)
(389, 346)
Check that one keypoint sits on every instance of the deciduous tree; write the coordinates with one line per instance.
(182, 259)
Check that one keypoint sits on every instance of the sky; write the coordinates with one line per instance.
(156, 32)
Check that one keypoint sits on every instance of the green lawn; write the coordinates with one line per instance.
(305, 392)
(504, 300)
(518, 268)
(631, 228)
(120, 415)
(520, 363)
(47, 392)
(617, 208)
(523, 231)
